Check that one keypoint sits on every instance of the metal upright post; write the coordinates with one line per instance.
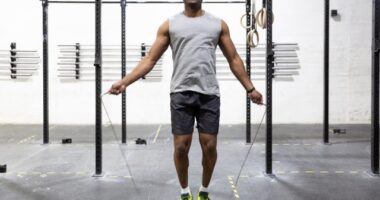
(123, 73)
(269, 73)
(45, 4)
(98, 86)
(375, 88)
(143, 54)
(248, 66)
(77, 61)
(13, 60)
(326, 73)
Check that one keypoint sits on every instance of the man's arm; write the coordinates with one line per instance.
(236, 64)
(147, 63)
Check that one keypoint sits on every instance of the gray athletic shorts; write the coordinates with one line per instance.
(187, 106)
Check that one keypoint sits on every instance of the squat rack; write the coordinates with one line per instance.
(375, 87)
(98, 67)
(375, 83)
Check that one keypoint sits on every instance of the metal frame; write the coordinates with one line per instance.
(375, 88)
(326, 72)
(141, 2)
(77, 61)
(98, 85)
(45, 5)
(123, 5)
(248, 68)
(98, 65)
(13, 60)
(269, 81)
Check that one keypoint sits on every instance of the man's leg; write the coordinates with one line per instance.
(208, 143)
(182, 145)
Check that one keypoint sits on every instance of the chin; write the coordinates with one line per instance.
(193, 1)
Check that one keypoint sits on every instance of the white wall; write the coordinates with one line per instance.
(148, 103)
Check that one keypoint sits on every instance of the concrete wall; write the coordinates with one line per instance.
(299, 101)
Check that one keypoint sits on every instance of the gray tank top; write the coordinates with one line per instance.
(193, 41)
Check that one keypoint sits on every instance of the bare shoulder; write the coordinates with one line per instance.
(224, 26)
(164, 28)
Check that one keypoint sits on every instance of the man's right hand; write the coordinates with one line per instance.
(117, 88)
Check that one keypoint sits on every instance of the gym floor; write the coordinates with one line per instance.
(304, 167)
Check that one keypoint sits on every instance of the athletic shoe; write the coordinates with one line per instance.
(186, 196)
(203, 196)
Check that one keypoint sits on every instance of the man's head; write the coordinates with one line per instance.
(193, 2)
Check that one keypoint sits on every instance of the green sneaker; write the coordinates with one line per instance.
(203, 196)
(186, 196)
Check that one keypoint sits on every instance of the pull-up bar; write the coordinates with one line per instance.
(142, 2)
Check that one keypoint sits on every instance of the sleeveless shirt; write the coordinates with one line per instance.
(193, 41)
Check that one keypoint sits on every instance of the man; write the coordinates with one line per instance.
(194, 92)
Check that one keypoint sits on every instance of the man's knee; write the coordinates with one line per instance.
(181, 150)
(209, 148)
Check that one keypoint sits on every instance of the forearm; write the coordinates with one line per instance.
(237, 68)
(144, 67)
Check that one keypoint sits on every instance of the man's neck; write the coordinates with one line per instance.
(193, 10)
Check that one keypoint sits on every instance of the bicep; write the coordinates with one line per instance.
(226, 44)
(161, 43)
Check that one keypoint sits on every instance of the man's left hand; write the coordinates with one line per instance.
(256, 97)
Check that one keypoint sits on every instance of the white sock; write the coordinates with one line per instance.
(185, 190)
(203, 189)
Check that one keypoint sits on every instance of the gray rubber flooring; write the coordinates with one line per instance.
(304, 167)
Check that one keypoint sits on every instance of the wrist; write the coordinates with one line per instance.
(251, 90)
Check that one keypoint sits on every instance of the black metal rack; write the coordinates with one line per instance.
(13, 60)
(123, 5)
(270, 65)
(326, 72)
(248, 68)
(45, 65)
(375, 88)
(98, 84)
(98, 65)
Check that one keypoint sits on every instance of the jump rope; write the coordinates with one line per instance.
(126, 162)
(117, 139)
(253, 41)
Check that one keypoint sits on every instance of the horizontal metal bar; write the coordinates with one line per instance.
(286, 59)
(104, 56)
(93, 49)
(86, 74)
(142, 2)
(89, 55)
(85, 45)
(91, 62)
(284, 74)
(285, 44)
(21, 51)
(73, 79)
(23, 57)
(286, 68)
(103, 67)
(81, 50)
(20, 62)
(18, 68)
(234, 79)
(14, 74)
(91, 45)
(34, 55)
